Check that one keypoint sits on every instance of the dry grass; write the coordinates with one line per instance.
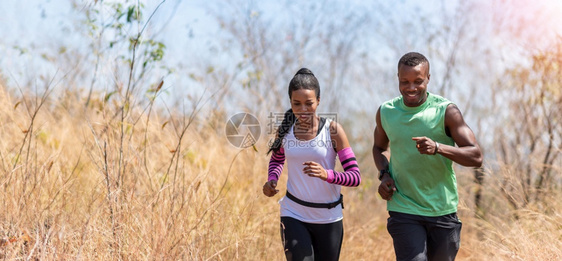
(76, 185)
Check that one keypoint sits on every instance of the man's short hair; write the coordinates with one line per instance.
(413, 59)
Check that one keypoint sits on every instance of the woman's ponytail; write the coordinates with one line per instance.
(288, 121)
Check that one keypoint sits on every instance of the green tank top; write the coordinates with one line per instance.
(425, 184)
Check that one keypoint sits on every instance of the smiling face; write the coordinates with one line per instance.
(413, 82)
(304, 104)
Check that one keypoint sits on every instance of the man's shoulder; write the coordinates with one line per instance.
(437, 97)
(439, 100)
(392, 103)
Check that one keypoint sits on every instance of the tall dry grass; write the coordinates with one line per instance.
(80, 184)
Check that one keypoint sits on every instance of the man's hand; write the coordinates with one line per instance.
(425, 145)
(269, 188)
(387, 187)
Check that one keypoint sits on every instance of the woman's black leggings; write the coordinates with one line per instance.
(305, 241)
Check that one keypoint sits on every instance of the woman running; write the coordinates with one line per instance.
(311, 211)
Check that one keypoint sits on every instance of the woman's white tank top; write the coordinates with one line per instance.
(311, 189)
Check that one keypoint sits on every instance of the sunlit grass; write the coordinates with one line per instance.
(74, 189)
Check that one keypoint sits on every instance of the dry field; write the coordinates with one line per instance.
(89, 184)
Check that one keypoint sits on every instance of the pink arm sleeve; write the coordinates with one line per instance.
(351, 176)
(276, 165)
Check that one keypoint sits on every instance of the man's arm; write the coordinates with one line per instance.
(380, 148)
(380, 156)
(467, 152)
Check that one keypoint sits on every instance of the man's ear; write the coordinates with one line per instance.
(428, 76)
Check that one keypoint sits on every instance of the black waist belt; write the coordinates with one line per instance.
(315, 205)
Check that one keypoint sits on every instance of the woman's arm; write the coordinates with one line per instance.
(351, 176)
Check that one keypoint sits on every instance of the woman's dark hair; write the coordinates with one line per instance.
(303, 79)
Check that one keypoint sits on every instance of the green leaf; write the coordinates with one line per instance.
(130, 14)
(107, 96)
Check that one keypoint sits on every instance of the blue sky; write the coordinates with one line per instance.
(497, 34)
(38, 28)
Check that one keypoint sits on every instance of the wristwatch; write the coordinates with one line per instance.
(382, 172)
